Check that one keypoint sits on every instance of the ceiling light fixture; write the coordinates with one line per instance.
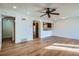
(14, 7)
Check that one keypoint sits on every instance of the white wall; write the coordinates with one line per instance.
(23, 30)
(68, 28)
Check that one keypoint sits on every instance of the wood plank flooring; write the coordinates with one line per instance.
(37, 47)
(7, 42)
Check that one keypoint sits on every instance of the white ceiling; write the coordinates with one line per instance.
(65, 9)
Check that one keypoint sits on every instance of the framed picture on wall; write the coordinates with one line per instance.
(47, 26)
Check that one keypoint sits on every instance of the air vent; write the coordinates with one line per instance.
(23, 19)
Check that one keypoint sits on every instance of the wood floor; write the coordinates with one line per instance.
(7, 42)
(38, 47)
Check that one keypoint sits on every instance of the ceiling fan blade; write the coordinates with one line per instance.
(55, 13)
(43, 15)
(53, 10)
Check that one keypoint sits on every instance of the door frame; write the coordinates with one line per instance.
(38, 28)
(2, 27)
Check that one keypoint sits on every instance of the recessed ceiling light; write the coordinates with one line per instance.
(14, 7)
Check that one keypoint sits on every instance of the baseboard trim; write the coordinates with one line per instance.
(67, 37)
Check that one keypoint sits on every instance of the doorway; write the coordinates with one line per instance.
(35, 29)
(8, 31)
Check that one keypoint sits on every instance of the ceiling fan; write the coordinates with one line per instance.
(49, 12)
